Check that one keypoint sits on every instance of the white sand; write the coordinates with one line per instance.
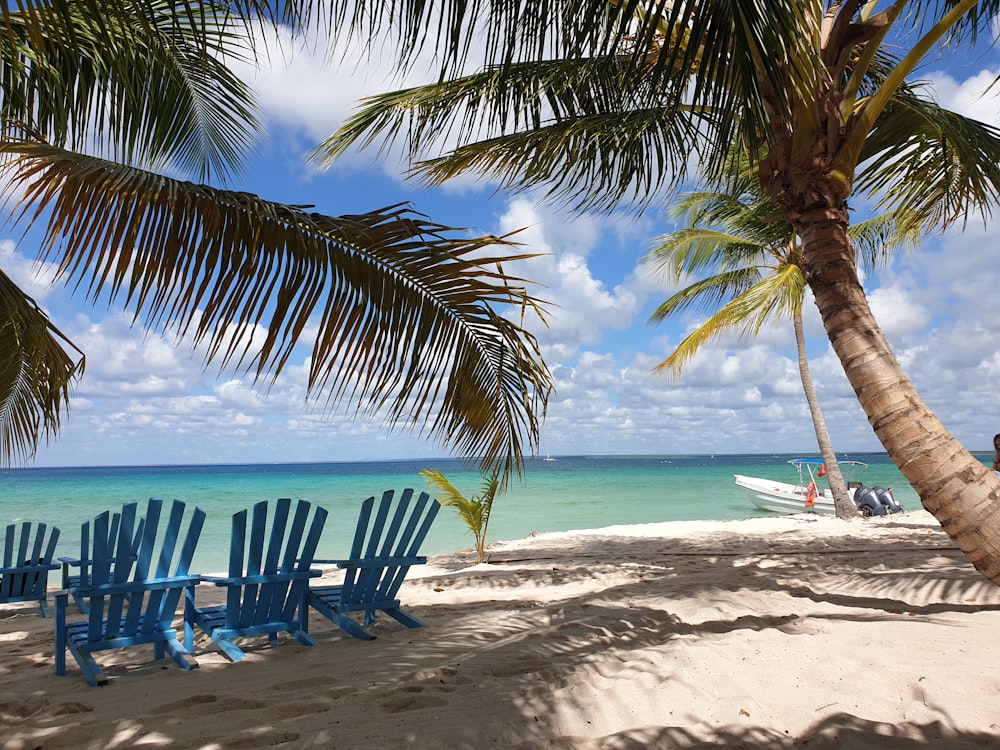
(768, 633)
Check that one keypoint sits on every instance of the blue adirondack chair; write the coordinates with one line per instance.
(132, 599)
(24, 576)
(265, 590)
(71, 581)
(381, 557)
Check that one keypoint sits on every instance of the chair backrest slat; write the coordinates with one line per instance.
(22, 545)
(120, 552)
(255, 557)
(237, 546)
(169, 545)
(397, 521)
(101, 571)
(172, 596)
(8, 547)
(270, 597)
(298, 587)
(359, 537)
(375, 533)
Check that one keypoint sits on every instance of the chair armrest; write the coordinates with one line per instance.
(29, 568)
(263, 578)
(109, 589)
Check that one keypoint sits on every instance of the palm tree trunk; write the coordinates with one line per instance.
(841, 499)
(958, 489)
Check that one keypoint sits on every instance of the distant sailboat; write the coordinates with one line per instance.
(548, 458)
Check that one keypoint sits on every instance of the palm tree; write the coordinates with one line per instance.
(610, 103)
(101, 102)
(474, 511)
(754, 264)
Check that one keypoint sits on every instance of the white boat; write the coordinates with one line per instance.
(806, 496)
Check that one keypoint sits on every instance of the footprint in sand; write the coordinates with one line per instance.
(324, 684)
(414, 698)
(17, 710)
(207, 703)
(516, 667)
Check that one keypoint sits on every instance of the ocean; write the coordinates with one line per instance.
(562, 494)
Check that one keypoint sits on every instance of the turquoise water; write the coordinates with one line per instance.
(571, 492)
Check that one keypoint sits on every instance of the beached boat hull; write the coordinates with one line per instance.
(782, 497)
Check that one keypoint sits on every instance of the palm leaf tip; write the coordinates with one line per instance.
(36, 372)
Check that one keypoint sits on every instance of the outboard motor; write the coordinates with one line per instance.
(885, 497)
(868, 502)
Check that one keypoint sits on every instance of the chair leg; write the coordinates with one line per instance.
(303, 637)
(81, 604)
(60, 651)
(229, 649)
(189, 619)
(408, 620)
(180, 655)
(341, 621)
(92, 671)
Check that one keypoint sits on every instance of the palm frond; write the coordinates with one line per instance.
(36, 371)
(772, 297)
(923, 13)
(876, 239)
(748, 218)
(449, 494)
(218, 264)
(709, 293)
(147, 80)
(601, 162)
(598, 128)
(556, 123)
(693, 251)
(932, 164)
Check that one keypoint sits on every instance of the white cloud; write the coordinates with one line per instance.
(583, 307)
(972, 96)
(34, 278)
(897, 312)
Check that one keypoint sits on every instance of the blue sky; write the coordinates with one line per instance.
(148, 399)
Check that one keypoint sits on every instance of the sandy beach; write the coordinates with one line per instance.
(766, 633)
